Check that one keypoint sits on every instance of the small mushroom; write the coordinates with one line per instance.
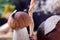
(19, 20)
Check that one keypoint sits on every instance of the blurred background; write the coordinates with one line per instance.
(5, 8)
(3, 3)
(43, 9)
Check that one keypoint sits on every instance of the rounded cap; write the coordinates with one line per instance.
(20, 20)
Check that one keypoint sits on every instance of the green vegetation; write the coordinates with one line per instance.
(3, 3)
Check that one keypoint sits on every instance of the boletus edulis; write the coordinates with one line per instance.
(49, 29)
(19, 20)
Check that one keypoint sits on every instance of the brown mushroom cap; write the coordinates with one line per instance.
(20, 20)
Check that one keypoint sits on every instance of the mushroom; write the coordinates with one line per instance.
(18, 21)
(49, 29)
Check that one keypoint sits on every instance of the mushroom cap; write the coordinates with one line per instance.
(19, 21)
(49, 29)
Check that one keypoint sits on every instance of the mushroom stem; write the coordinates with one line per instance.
(20, 34)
